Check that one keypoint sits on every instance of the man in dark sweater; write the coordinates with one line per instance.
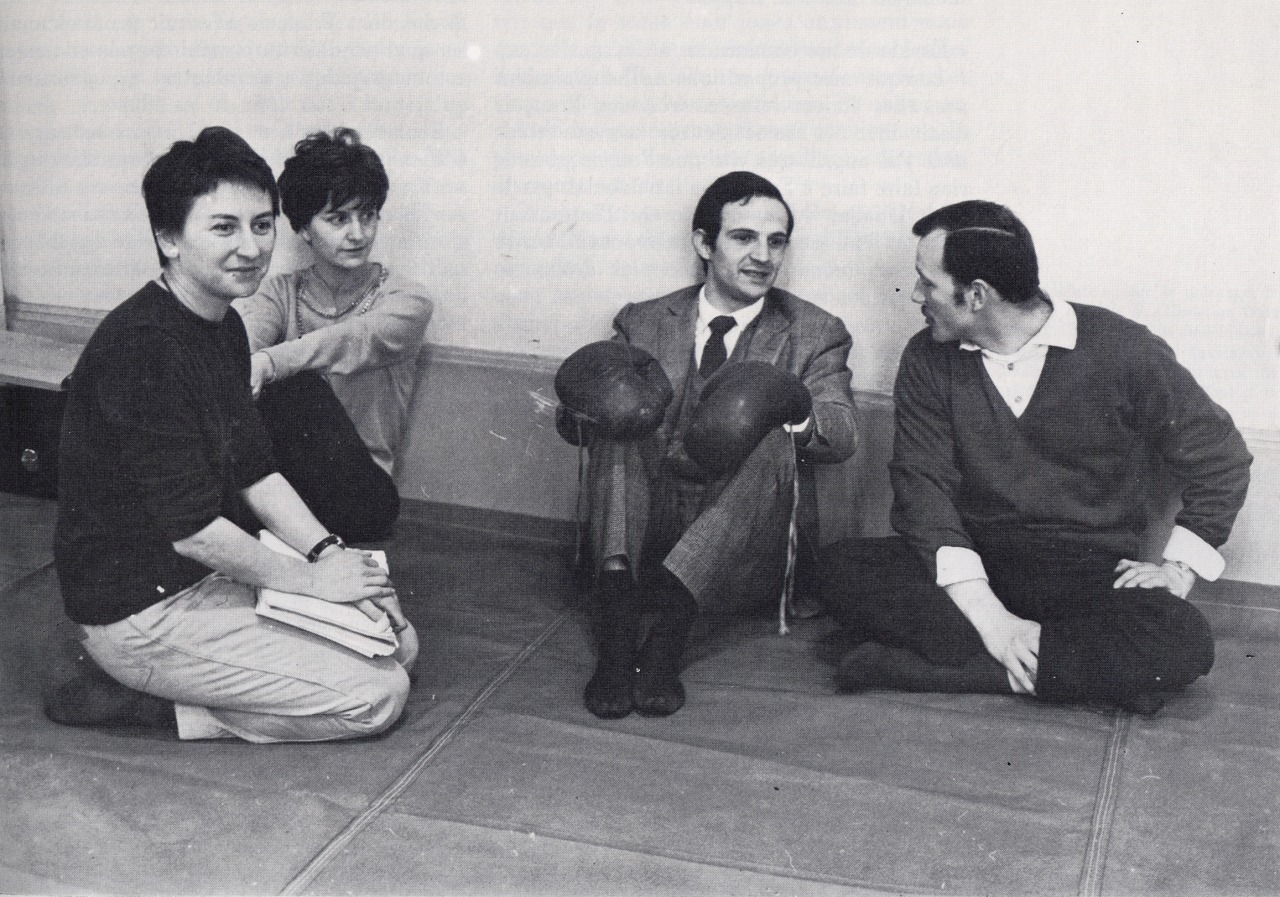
(165, 464)
(1027, 431)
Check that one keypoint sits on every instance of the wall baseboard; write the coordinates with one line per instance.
(65, 323)
(527, 529)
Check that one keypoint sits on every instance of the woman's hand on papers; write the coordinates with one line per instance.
(351, 575)
(391, 604)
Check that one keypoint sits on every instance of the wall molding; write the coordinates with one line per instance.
(465, 356)
(61, 322)
(1261, 439)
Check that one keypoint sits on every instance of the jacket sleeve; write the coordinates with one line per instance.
(924, 472)
(828, 379)
(622, 322)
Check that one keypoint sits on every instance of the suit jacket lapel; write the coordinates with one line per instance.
(675, 337)
(772, 332)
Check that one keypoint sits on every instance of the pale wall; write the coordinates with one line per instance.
(545, 157)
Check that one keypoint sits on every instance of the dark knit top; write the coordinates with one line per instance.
(1077, 465)
(159, 436)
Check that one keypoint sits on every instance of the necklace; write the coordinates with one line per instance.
(187, 303)
(365, 301)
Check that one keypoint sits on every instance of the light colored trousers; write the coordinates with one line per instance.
(231, 673)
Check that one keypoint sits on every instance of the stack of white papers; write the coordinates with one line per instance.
(363, 626)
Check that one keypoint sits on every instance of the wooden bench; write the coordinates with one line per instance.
(36, 361)
(34, 372)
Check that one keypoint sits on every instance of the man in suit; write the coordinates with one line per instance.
(667, 538)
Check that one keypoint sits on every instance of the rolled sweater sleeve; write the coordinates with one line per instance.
(391, 331)
(924, 471)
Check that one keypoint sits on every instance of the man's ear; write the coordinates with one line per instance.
(167, 245)
(980, 293)
(701, 246)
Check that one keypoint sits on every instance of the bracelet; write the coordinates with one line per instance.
(327, 542)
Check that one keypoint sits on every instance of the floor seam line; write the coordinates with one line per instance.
(1273, 610)
(1104, 808)
(25, 577)
(789, 874)
(352, 829)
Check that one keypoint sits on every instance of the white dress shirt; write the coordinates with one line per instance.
(708, 312)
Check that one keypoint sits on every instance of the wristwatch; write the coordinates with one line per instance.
(327, 542)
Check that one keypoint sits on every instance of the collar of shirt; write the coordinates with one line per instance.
(1016, 376)
(707, 312)
(1059, 330)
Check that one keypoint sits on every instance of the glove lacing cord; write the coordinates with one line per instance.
(577, 503)
(786, 603)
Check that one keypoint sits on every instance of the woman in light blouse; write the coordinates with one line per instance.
(336, 345)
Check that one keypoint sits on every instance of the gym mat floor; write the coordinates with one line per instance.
(497, 781)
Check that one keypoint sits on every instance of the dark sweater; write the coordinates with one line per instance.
(1077, 465)
(159, 436)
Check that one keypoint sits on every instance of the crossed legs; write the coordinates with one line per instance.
(1097, 644)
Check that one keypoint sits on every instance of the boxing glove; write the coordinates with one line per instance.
(618, 391)
(739, 405)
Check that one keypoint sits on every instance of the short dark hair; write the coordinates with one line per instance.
(192, 168)
(736, 186)
(330, 170)
(986, 241)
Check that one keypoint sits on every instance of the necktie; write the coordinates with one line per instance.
(714, 353)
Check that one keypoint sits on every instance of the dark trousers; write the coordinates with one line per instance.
(322, 456)
(1097, 643)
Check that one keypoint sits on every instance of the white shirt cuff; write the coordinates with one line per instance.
(1196, 553)
(956, 564)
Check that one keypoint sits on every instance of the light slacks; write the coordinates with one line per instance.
(232, 673)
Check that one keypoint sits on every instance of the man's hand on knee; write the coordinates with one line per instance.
(1011, 640)
(1015, 642)
(1177, 578)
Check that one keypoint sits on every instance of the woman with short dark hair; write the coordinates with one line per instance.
(165, 465)
(336, 344)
